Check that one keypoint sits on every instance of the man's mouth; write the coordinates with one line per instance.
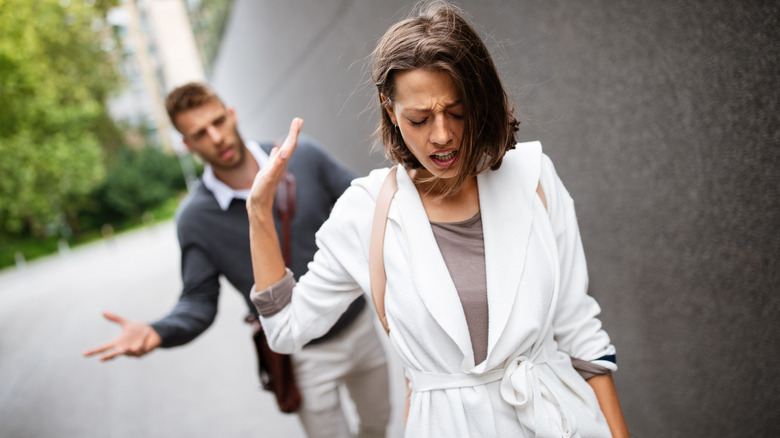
(226, 154)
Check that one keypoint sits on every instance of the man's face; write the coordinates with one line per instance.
(210, 131)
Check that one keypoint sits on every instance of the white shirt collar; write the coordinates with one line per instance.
(224, 193)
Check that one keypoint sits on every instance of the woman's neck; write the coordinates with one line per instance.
(459, 206)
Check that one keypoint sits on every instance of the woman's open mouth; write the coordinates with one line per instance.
(444, 159)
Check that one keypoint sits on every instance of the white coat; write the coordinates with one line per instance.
(539, 312)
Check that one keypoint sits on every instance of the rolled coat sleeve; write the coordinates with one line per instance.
(577, 328)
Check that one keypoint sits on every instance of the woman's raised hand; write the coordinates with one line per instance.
(267, 262)
(261, 196)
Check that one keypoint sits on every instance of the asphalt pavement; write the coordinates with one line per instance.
(50, 313)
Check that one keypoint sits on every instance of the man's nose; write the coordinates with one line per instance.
(214, 134)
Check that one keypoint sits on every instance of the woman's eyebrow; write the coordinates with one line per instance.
(427, 110)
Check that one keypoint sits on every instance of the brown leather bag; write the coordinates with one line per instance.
(276, 370)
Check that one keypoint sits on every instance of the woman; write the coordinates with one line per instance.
(486, 295)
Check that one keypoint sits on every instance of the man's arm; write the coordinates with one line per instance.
(194, 312)
(197, 305)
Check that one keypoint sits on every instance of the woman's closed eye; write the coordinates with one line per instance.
(416, 123)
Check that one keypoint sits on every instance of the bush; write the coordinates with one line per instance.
(136, 181)
(30, 248)
(141, 185)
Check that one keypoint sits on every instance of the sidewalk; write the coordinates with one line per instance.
(50, 312)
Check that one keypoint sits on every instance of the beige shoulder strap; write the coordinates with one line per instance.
(540, 192)
(376, 260)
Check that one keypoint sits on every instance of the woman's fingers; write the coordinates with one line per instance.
(279, 156)
(267, 180)
(288, 147)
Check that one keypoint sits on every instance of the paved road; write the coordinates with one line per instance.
(50, 313)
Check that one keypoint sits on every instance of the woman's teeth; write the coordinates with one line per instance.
(444, 156)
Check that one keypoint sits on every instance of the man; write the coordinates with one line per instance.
(213, 233)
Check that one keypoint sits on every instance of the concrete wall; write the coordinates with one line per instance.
(661, 118)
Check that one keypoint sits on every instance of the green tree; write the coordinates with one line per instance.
(54, 80)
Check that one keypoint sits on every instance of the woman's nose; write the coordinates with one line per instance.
(440, 133)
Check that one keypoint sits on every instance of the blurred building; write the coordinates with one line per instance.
(157, 52)
(208, 19)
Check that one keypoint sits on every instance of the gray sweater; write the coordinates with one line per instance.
(215, 242)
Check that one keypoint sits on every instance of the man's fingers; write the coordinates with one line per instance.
(112, 354)
(99, 349)
(113, 317)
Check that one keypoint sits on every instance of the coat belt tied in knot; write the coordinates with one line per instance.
(524, 387)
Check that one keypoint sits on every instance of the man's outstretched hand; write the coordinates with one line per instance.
(136, 339)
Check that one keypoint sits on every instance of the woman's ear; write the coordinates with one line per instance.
(387, 105)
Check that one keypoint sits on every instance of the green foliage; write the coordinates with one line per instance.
(28, 248)
(31, 248)
(64, 172)
(54, 79)
(140, 179)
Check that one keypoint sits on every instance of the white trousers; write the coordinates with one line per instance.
(355, 359)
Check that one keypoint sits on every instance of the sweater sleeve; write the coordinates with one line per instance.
(197, 305)
(577, 328)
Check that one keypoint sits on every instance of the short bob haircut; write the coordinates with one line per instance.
(187, 97)
(436, 36)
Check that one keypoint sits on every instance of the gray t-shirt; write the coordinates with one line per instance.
(462, 246)
(463, 249)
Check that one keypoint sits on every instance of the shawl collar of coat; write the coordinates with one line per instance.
(506, 197)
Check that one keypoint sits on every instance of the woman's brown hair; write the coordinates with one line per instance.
(436, 36)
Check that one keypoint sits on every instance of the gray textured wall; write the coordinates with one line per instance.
(662, 119)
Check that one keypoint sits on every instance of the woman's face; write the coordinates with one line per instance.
(429, 112)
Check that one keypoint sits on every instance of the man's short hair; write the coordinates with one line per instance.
(186, 97)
